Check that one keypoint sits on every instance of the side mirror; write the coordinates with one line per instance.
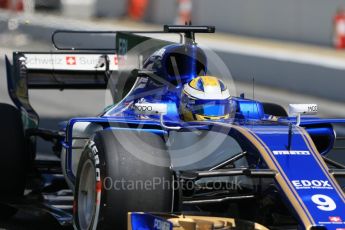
(299, 109)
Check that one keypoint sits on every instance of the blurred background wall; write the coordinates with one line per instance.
(297, 20)
(307, 21)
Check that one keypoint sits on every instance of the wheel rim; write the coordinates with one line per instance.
(87, 195)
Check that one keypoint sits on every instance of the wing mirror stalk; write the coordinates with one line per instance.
(299, 109)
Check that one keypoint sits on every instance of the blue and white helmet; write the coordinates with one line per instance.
(205, 98)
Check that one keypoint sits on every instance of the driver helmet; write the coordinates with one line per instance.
(205, 98)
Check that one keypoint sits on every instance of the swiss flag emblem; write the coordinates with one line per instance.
(71, 60)
(335, 219)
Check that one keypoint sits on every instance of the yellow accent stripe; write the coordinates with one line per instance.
(210, 81)
(321, 162)
(285, 184)
(279, 177)
(194, 82)
(200, 117)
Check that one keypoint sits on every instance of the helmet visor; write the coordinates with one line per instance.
(210, 107)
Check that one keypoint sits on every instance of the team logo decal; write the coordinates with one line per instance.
(161, 225)
(71, 60)
(312, 184)
(123, 46)
(335, 219)
(116, 60)
(284, 152)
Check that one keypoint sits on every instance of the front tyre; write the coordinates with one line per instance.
(111, 181)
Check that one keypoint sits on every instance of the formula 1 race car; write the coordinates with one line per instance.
(173, 140)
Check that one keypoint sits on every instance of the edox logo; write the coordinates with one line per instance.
(312, 184)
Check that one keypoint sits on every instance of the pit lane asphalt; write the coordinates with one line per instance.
(54, 106)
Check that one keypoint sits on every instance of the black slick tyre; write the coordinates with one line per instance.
(111, 180)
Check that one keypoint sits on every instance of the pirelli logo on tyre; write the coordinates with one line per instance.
(94, 152)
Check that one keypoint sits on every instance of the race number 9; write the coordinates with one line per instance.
(324, 203)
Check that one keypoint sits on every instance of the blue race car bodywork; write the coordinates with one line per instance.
(290, 156)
